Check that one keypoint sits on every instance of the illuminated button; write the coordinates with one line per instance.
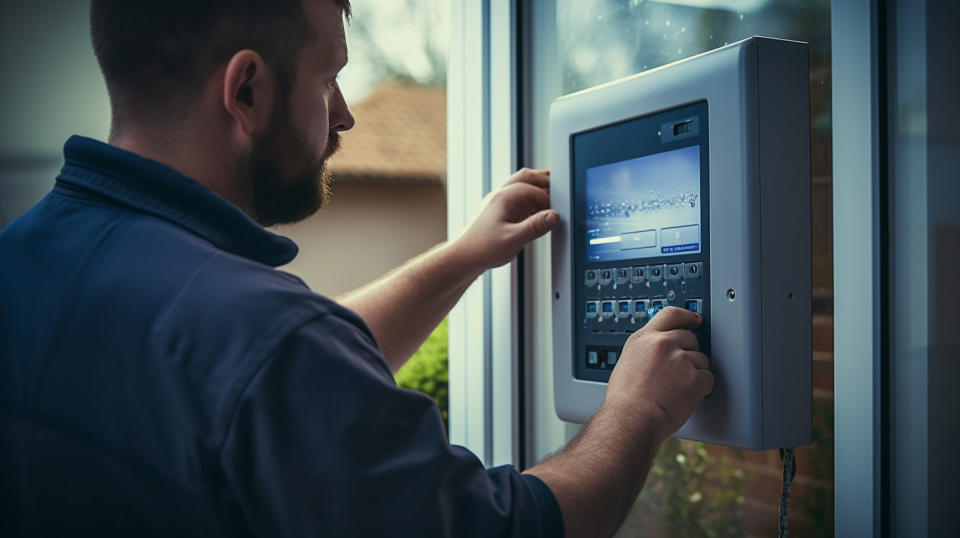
(592, 309)
(636, 275)
(590, 278)
(612, 358)
(656, 306)
(593, 358)
(640, 311)
(623, 309)
(674, 271)
(606, 309)
(693, 270)
(695, 305)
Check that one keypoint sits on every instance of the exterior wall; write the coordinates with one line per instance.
(365, 231)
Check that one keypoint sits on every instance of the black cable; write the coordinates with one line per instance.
(789, 469)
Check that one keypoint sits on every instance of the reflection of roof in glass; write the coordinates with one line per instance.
(400, 136)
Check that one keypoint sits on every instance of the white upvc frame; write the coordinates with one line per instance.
(856, 244)
(481, 154)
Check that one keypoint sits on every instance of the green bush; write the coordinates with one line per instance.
(426, 371)
(690, 492)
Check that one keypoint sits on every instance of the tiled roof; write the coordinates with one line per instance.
(400, 136)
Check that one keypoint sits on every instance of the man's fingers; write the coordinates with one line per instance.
(671, 318)
(705, 380)
(537, 225)
(522, 200)
(537, 178)
(686, 339)
(699, 360)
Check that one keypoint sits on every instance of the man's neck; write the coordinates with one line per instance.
(207, 160)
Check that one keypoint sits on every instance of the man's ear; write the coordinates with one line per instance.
(248, 91)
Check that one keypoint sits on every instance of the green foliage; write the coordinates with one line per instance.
(690, 492)
(426, 371)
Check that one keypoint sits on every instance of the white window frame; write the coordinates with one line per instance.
(481, 154)
(856, 292)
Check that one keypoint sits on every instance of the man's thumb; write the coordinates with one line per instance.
(539, 224)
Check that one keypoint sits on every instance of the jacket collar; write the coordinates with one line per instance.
(149, 186)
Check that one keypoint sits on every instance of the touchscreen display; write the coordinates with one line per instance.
(644, 207)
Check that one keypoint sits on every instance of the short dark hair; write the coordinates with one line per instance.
(156, 54)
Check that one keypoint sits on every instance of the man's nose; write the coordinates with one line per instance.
(341, 117)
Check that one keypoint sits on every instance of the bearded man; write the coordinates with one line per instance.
(160, 377)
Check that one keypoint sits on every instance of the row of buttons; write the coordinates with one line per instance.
(637, 275)
(629, 315)
(634, 308)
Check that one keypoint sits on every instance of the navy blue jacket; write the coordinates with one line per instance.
(159, 377)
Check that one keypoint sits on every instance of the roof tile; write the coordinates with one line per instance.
(400, 136)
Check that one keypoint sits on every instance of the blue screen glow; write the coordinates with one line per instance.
(644, 207)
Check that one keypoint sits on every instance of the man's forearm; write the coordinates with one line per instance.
(598, 475)
(405, 305)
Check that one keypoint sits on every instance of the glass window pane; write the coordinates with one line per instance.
(696, 489)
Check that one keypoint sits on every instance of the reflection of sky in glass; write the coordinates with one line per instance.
(603, 40)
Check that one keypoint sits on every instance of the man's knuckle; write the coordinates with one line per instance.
(661, 343)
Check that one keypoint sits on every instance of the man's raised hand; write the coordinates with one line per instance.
(510, 217)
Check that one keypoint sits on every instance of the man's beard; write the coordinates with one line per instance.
(287, 180)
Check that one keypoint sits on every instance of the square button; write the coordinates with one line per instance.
(593, 358)
(612, 358)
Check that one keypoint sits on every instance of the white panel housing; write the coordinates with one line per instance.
(759, 190)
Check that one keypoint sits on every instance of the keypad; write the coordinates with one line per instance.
(622, 300)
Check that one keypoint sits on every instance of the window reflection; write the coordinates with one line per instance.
(695, 489)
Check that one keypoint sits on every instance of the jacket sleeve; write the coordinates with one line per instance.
(323, 443)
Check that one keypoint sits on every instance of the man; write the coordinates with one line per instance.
(159, 377)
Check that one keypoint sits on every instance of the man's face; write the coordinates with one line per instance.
(287, 163)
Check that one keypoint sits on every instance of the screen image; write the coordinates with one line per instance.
(644, 207)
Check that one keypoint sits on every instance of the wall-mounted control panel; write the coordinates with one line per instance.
(689, 186)
(643, 244)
